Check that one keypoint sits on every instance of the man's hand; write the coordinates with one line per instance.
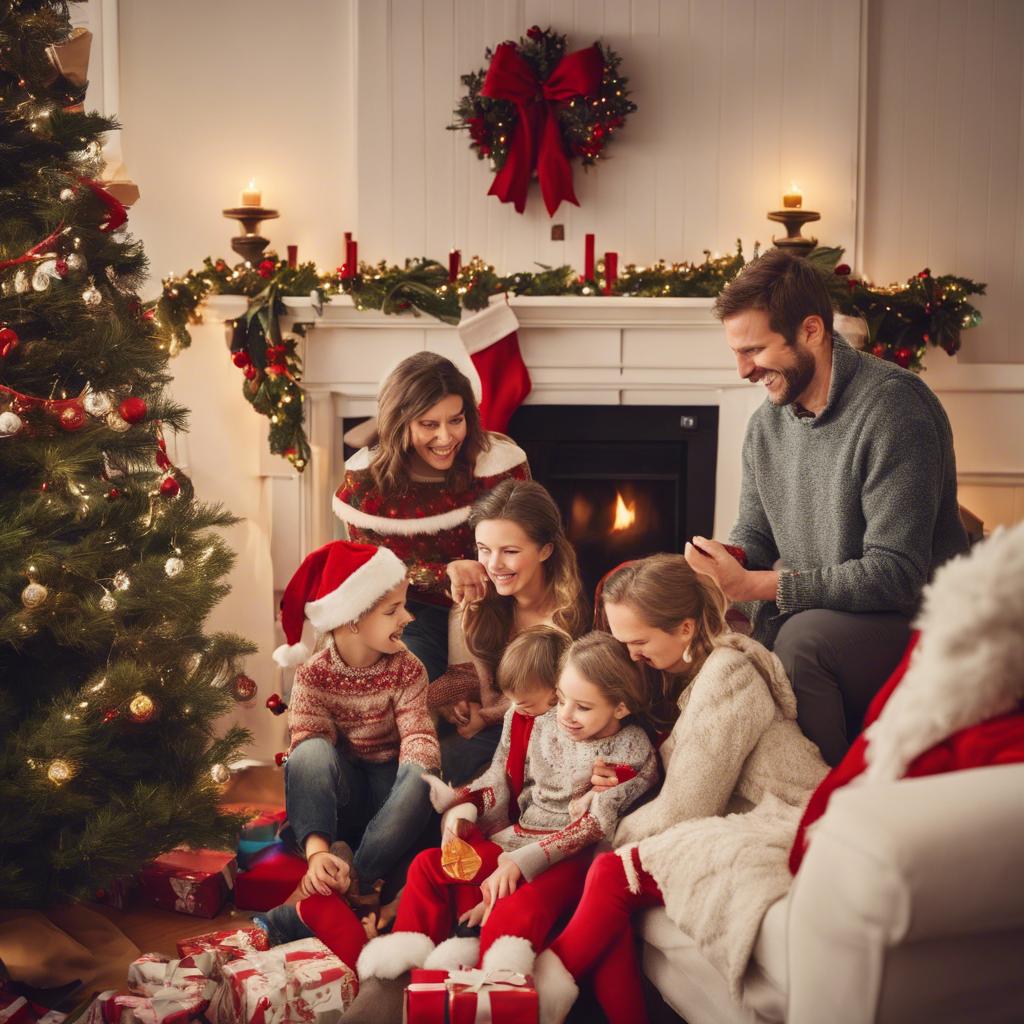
(738, 584)
(603, 776)
(468, 579)
(502, 882)
(324, 873)
(473, 724)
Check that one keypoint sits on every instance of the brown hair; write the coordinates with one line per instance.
(663, 590)
(603, 661)
(786, 287)
(488, 623)
(415, 385)
(532, 658)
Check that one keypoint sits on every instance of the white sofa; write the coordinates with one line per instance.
(908, 907)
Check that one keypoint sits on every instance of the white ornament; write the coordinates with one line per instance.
(34, 595)
(97, 403)
(67, 195)
(74, 261)
(116, 422)
(10, 423)
(108, 602)
(91, 296)
(220, 773)
(122, 580)
(173, 566)
(41, 279)
(21, 284)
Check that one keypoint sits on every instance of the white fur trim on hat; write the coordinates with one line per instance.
(290, 655)
(360, 592)
(452, 954)
(556, 988)
(388, 956)
(491, 324)
(510, 953)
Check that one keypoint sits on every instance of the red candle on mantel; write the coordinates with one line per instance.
(454, 265)
(611, 271)
(588, 257)
(293, 256)
(351, 258)
(348, 237)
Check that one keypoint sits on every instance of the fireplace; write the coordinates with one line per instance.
(630, 480)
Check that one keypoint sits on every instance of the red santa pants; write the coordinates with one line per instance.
(432, 901)
(599, 938)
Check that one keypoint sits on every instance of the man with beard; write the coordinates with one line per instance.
(848, 501)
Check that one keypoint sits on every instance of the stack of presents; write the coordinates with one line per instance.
(233, 977)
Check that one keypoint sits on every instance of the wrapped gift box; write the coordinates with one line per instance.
(229, 944)
(265, 820)
(452, 997)
(298, 983)
(167, 1007)
(249, 851)
(270, 880)
(193, 882)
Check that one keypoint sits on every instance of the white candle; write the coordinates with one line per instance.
(793, 199)
(251, 196)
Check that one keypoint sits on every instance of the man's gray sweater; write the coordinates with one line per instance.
(858, 503)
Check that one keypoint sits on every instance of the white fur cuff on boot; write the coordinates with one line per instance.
(452, 954)
(556, 988)
(388, 956)
(510, 953)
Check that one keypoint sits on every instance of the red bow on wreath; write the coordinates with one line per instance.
(536, 140)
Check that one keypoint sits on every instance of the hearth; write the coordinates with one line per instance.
(630, 480)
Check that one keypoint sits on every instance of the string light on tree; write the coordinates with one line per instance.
(122, 581)
(142, 708)
(59, 771)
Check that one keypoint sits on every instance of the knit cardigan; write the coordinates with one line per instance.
(425, 524)
(738, 774)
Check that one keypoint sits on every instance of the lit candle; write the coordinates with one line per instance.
(454, 263)
(588, 257)
(793, 199)
(611, 271)
(251, 196)
(293, 256)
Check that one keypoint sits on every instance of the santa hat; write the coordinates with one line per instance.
(334, 585)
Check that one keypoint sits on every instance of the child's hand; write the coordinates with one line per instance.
(369, 924)
(500, 883)
(475, 916)
(458, 822)
(474, 723)
(603, 776)
(324, 873)
(457, 713)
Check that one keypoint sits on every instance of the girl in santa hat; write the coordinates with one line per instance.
(412, 491)
(533, 580)
(361, 735)
(711, 847)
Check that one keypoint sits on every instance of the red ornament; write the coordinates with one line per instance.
(170, 487)
(220, 265)
(109, 715)
(149, 314)
(843, 270)
(251, 372)
(44, 486)
(927, 272)
(9, 341)
(266, 268)
(276, 705)
(280, 758)
(241, 358)
(243, 688)
(72, 417)
(926, 337)
(113, 494)
(279, 369)
(133, 410)
(903, 356)
(61, 266)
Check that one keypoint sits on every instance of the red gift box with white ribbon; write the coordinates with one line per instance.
(195, 882)
(470, 996)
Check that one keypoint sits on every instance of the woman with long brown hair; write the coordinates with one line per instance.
(532, 580)
(712, 846)
(413, 490)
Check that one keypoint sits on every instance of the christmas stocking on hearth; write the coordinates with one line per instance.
(492, 343)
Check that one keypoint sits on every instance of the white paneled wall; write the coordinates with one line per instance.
(944, 181)
(737, 99)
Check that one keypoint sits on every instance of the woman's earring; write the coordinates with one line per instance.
(687, 656)
(353, 627)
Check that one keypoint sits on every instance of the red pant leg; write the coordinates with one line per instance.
(532, 910)
(425, 906)
(335, 924)
(604, 912)
(618, 982)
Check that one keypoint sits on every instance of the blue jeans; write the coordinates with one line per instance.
(379, 809)
(462, 760)
(427, 636)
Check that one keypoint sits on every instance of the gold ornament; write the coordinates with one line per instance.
(122, 580)
(34, 595)
(59, 771)
(142, 708)
(459, 860)
(116, 422)
(108, 602)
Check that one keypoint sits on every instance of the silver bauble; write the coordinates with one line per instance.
(173, 566)
(116, 422)
(21, 283)
(74, 261)
(220, 773)
(41, 280)
(97, 403)
(10, 423)
(34, 595)
(91, 296)
(108, 602)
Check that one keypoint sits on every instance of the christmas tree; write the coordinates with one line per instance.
(109, 687)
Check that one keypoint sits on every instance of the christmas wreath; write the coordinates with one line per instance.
(534, 108)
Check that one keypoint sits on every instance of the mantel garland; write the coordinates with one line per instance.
(902, 320)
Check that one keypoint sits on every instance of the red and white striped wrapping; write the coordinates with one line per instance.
(229, 944)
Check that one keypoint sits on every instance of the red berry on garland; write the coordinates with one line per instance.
(113, 494)
(241, 358)
(72, 417)
(220, 265)
(926, 337)
(279, 369)
(61, 266)
(903, 356)
(927, 272)
(170, 487)
(132, 410)
(149, 314)
(598, 131)
(44, 486)
(534, 32)
(280, 758)
(843, 270)
(266, 268)
(109, 715)
(251, 372)
(878, 350)
(9, 341)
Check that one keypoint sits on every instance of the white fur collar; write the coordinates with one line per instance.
(504, 454)
(966, 667)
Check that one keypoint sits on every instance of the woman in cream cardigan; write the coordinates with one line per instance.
(712, 846)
